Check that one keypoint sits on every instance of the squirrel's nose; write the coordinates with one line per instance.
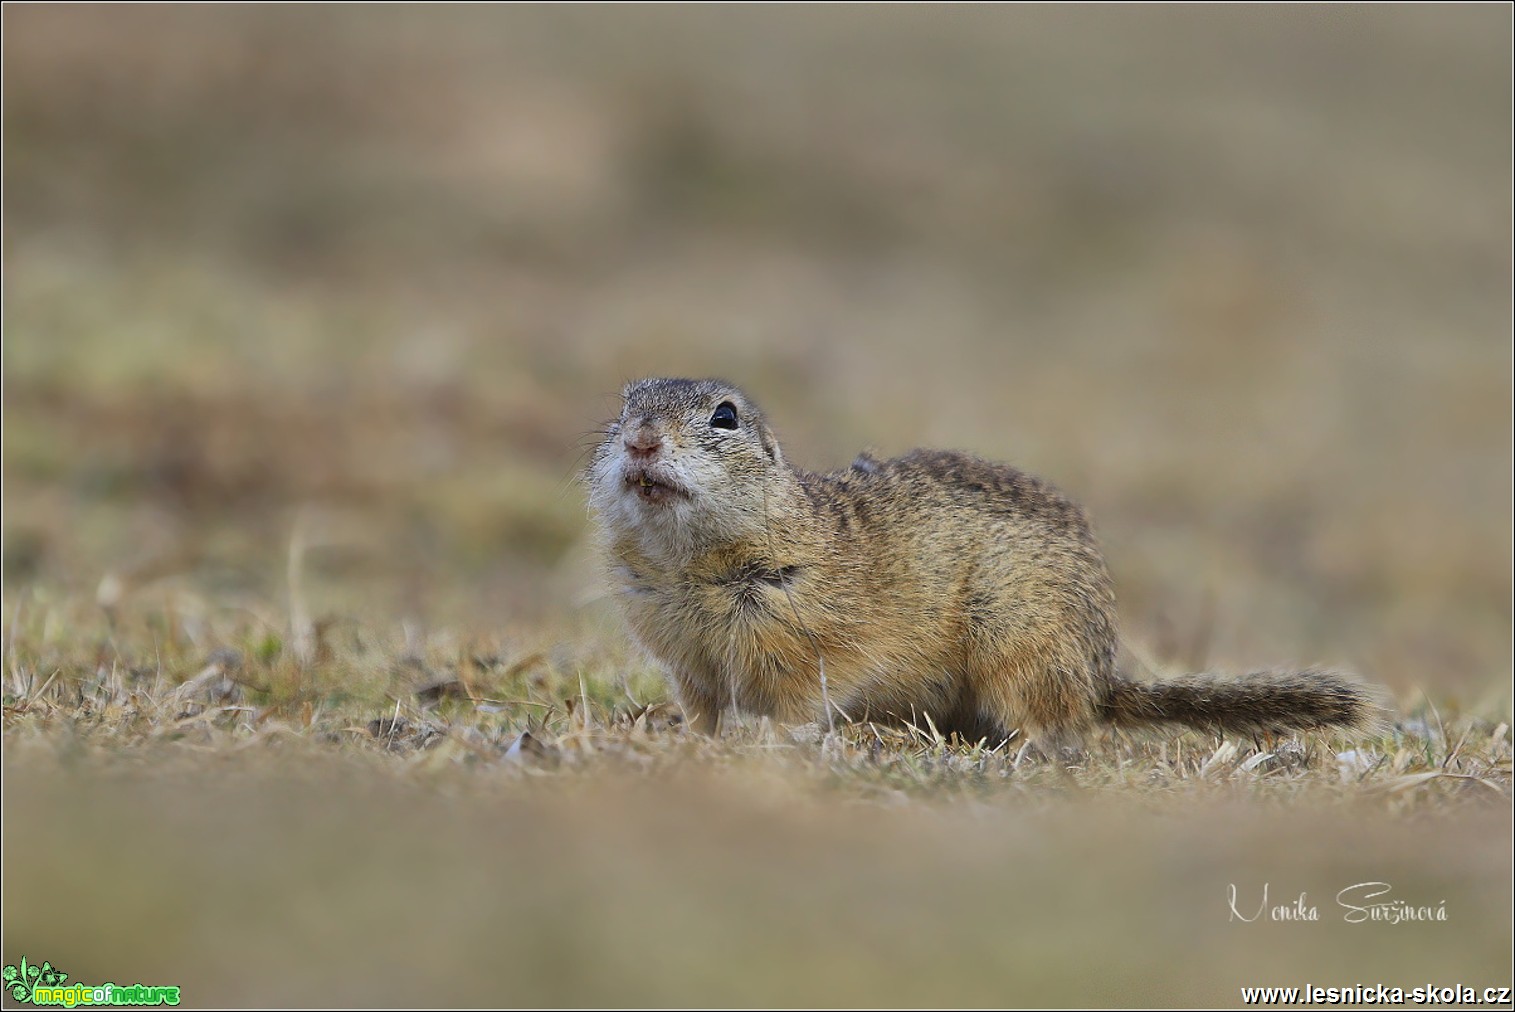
(643, 441)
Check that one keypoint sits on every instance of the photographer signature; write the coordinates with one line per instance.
(1365, 901)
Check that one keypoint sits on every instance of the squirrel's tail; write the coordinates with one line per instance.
(1260, 703)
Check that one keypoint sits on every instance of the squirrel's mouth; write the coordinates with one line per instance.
(652, 489)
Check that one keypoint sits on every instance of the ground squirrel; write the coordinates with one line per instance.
(934, 585)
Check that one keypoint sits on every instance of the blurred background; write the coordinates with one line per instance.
(311, 311)
(1237, 279)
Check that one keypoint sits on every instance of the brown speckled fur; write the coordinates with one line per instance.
(932, 584)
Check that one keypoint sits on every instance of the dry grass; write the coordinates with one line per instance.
(521, 826)
(311, 690)
(529, 826)
(150, 680)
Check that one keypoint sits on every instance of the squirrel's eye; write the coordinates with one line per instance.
(724, 417)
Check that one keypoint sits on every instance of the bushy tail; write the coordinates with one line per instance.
(1260, 703)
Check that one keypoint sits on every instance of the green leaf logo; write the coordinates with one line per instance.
(22, 980)
(18, 980)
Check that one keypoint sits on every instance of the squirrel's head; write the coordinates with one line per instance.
(688, 464)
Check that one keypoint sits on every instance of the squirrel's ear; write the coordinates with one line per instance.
(770, 444)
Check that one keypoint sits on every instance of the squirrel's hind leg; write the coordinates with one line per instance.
(1047, 699)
